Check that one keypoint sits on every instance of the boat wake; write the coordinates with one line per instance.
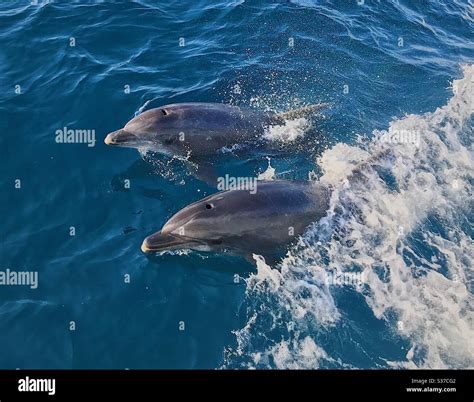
(400, 222)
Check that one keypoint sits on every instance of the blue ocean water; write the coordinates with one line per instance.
(406, 226)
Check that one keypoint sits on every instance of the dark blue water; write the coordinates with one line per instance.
(375, 63)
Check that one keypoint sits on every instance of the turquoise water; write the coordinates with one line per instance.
(93, 66)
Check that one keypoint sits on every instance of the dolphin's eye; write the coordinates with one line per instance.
(209, 206)
(164, 112)
(217, 241)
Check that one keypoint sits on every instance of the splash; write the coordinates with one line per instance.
(170, 167)
(288, 132)
(399, 216)
(269, 173)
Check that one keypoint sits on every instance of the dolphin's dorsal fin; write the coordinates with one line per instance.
(303, 111)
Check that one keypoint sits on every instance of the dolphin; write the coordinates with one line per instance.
(243, 223)
(196, 131)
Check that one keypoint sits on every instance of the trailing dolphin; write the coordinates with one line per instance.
(196, 131)
(243, 223)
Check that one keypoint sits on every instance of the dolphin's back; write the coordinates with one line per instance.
(218, 113)
(215, 118)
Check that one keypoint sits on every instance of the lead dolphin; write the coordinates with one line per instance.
(242, 223)
(198, 130)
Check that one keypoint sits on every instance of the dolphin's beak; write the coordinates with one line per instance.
(120, 137)
(162, 242)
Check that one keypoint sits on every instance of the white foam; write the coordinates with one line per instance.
(304, 354)
(288, 132)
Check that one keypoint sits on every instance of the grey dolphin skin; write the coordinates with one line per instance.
(242, 223)
(199, 129)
